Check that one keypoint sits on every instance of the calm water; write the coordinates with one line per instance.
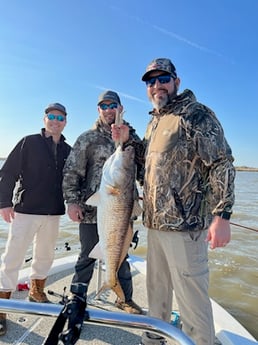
(233, 270)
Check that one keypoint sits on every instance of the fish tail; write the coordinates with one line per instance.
(103, 288)
(116, 288)
(119, 292)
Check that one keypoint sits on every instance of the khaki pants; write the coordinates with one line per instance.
(178, 261)
(26, 229)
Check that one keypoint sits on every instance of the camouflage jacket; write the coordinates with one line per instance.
(189, 172)
(83, 168)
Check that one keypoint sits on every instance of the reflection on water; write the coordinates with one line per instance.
(233, 269)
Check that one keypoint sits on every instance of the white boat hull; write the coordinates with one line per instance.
(228, 330)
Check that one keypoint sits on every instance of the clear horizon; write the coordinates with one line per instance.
(236, 166)
(70, 52)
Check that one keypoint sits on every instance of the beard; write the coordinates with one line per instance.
(163, 100)
(107, 120)
(160, 103)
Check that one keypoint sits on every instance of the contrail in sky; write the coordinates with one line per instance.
(172, 34)
(182, 39)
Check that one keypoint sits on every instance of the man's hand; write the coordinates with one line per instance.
(219, 233)
(7, 214)
(120, 133)
(75, 212)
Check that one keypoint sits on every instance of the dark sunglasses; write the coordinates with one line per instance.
(105, 106)
(52, 117)
(163, 79)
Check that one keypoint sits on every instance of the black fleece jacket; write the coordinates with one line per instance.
(31, 177)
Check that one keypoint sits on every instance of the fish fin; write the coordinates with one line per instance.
(137, 209)
(96, 252)
(103, 288)
(117, 290)
(94, 199)
(113, 190)
(127, 242)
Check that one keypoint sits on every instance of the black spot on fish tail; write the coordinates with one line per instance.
(117, 290)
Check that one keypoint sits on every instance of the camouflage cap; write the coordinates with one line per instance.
(160, 64)
(55, 106)
(109, 96)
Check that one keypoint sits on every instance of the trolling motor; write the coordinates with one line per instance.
(74, 311)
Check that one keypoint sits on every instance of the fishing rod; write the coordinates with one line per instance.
(245, 227)
(239, 225)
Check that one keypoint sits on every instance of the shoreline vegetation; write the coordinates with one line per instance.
(243, 168)
(238, 168)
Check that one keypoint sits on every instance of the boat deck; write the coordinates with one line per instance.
(28, 327)
(32, 329)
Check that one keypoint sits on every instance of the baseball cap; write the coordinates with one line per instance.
(160, 64)
(55, 106)
(109, 96)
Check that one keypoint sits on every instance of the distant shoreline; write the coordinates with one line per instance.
(246, 169)
(241, 168)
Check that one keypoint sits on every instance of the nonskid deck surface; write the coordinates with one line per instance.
(31, 329)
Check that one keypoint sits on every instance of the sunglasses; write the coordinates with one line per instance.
(104, 106)
(59, 118)
(163, 79)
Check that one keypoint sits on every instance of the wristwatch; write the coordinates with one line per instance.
(224, 215)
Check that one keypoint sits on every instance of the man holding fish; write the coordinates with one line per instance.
(86, 176)
(188, 197)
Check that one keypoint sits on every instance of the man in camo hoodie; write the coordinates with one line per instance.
(82, 176)
(188, 199)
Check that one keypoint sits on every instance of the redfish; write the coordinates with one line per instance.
(115, 201)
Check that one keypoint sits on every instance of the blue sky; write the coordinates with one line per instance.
(70, 51)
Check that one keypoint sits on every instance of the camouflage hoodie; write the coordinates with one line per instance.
(83, 168)
(189, 174)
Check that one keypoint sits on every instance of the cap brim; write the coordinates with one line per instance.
(55, 108)
(147, 74)
(110, 100)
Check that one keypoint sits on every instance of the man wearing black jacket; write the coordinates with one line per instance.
(31, 201)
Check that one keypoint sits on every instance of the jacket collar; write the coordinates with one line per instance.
(176, 105)
(43, 134)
